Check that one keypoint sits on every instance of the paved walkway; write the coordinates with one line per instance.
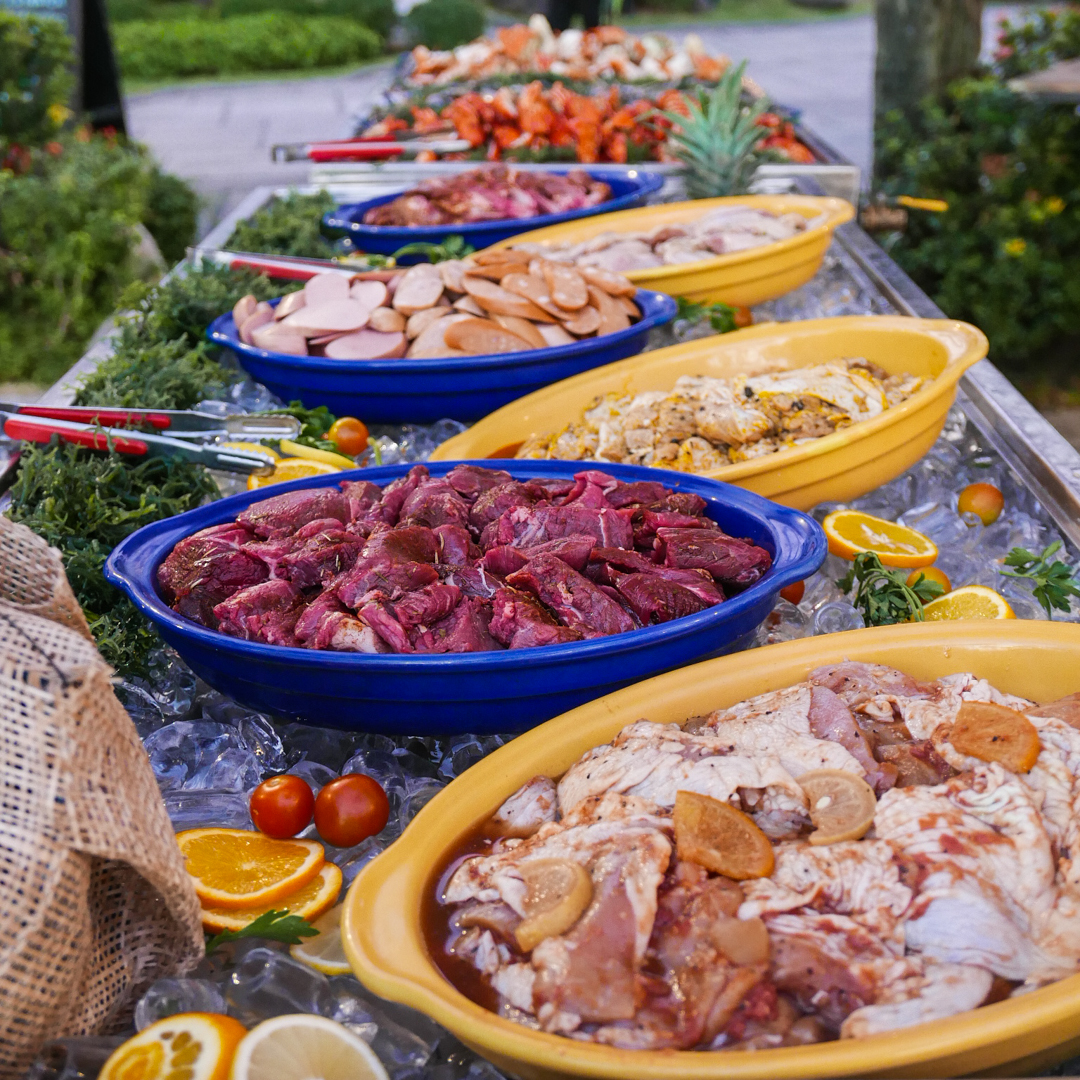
(219, 135)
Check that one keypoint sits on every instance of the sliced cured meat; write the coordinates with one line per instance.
(367, 344)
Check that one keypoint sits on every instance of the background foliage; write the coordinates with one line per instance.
(265, 41)
(443, 24)
(1006, 254)
(34, 79)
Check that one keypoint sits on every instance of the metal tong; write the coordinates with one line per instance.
(361, 149)
(101, 428)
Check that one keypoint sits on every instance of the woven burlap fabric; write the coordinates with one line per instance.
(94, 901)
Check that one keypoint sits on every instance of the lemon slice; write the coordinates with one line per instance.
(302, 1047)
(313, 453)
(851, 532)
(324, 953)
(310, 902)
(197, 1046)
(292, 468)
(253, 447)
(970, 602)
(240, 869)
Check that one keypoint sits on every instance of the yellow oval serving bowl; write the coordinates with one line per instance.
(740, 278)
(384, 938)
(836, 467)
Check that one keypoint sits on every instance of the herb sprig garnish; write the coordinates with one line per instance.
(1054, 581)
(270, 925)
(721, 317)
(883, 595)
(453, 247)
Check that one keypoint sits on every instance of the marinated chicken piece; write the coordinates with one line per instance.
(654, 761)
(705, 422)
(941, 990)
(531, 806)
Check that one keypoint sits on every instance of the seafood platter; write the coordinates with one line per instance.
(646, 646)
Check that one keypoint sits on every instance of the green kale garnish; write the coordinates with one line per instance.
(884, 595)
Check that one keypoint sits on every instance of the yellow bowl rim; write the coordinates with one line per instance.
(837, 212)
(974, 349)
(430, 992)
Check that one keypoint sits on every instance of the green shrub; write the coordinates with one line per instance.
(1037, 42)
(289, 226)
(1006, 254)
(172, 214)
(34, 78)
(377, 15)
(267, 42)
(442, 24)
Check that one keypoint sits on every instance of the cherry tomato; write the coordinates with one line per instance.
(282, 806)
(793, 594)
(931, 573)
(350, 809)
(985, 500)
(349, 435)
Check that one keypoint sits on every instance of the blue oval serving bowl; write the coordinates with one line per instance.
(629, 188)
(490, 692)
(423, 391)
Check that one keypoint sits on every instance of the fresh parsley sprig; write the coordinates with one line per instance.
(721, 317)
(271, 925)
(453, 247)
(884, 596)
(1054, 581)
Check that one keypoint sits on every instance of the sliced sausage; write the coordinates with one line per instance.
(612, 317)
(431, 343)
(628, 306)
(243, 309)
(500, 301)
(420, 288)
(567, 287)
(262, 315)
(419, 322)
(274, 338)
(470, 306)
(608, 280)
(386, 320)
(367, 344)
(371, 294)
(328, 317)
(293, 302)
(586, 321)
(325, 287)
(450, 271)
(482, 337)
(554, 335)
(524, 329)
(499, 255)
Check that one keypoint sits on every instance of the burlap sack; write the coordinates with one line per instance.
(94, 901)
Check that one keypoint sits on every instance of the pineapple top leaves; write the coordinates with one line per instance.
(717, 143)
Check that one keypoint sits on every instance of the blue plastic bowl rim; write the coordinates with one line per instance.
(646, 183)
(778, 577)
(657, 308)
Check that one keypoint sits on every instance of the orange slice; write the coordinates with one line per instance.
(724, 840)
(195, 1046)
(241, 869)
(851, 532)
(969, 602)
(842, 805)
(992, 732)
(292, 468)
(309, 902)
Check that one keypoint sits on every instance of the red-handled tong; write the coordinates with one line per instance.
(292, 267)
(29, 427)
(179, 423)
(366, 149)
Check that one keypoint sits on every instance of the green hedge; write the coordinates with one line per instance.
(1006, 254)
(377, 15)
(444, 24)
(270, 41)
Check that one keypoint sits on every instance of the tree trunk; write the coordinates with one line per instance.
(922, 45)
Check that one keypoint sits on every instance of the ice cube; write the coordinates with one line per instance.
(199, 809)
(315, 774)
(784, 623)
(327, 746)
(141, 706)
(269, 983)
(405, 1039)
(352, 860)
(264, 742)
(837, 616)
(167, 997)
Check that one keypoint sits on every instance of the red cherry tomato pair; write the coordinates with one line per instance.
(347, 810)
